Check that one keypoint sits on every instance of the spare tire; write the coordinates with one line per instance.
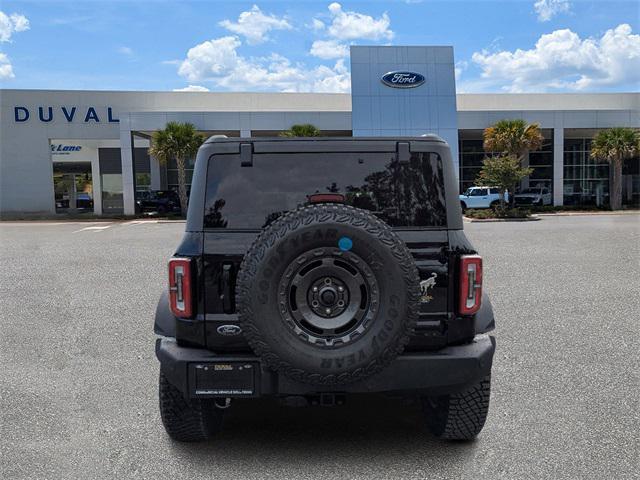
(328, 294)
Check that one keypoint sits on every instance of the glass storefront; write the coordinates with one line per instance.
(586, 181)
(112, 196)
(73, 187)
(143, 182)
(472, 155)
(111, 180)
(172, 174)
(542, 163)
(142, 167)
(631, 183)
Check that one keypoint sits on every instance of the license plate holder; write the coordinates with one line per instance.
(224, 379)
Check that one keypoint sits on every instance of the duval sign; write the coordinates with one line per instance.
(69, 114)
(401, 79)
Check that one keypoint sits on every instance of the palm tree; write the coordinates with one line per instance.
(615, 146)
(179, 141)
(514, 139)
(302, 130)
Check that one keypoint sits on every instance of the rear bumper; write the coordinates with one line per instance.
(202, 373)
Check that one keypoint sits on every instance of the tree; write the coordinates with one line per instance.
(179, 141)
(512, 138)
(301, 130)
(615, 146)
(504, 172)
(515, 138)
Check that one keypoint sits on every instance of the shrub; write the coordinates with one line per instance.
(498, 213)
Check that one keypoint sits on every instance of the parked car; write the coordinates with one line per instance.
(84, 201)
(308, 272)
(158, 201)
(481, 197)
(533, 196)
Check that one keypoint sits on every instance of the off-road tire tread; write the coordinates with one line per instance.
(319, 214)
(459, 416)
(187, 420)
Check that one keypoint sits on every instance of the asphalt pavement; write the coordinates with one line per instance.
(78, 375)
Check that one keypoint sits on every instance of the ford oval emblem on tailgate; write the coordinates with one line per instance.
(402, 79)
(229, 330)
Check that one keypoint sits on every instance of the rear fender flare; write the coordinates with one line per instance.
(485, 321)
(165, 321)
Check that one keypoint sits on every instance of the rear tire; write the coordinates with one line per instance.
(463, 206)
(459, 416)
(494, 205)
(187, 420)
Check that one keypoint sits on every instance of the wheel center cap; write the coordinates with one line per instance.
(328, 296)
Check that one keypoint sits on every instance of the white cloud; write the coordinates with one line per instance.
(217, 61)
(547, 9)
(213, 58)
(317, 25)
(346, 25)
(327, 49)
(562, 60)
(10, 24)
(254, 25)
(192, 88)
(336, 79)
(6, 70)
(128, 51)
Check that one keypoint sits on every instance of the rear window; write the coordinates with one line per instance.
(405, 195)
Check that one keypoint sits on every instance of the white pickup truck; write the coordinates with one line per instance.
(481, 197)
(533, 196)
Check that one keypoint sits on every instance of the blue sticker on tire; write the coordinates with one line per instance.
(345, 244)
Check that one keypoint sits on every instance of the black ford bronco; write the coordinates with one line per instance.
(311, 269)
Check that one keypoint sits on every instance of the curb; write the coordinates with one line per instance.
(495, 220)
(570, 214)
(61, 221)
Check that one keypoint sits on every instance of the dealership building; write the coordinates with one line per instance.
(67, 151)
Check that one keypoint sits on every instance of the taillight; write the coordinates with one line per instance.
(470, 284)
(180, 287)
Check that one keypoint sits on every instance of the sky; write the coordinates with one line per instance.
(303, 46)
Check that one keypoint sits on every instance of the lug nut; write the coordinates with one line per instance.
(315, 289)
(327, 281)
(328, 311)
(340, 303)
(314, 303)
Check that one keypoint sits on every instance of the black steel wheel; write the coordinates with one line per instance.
(331, 296)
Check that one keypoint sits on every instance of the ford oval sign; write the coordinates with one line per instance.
(229, 330)
(403, 79)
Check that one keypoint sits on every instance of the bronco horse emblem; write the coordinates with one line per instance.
(425, 285)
